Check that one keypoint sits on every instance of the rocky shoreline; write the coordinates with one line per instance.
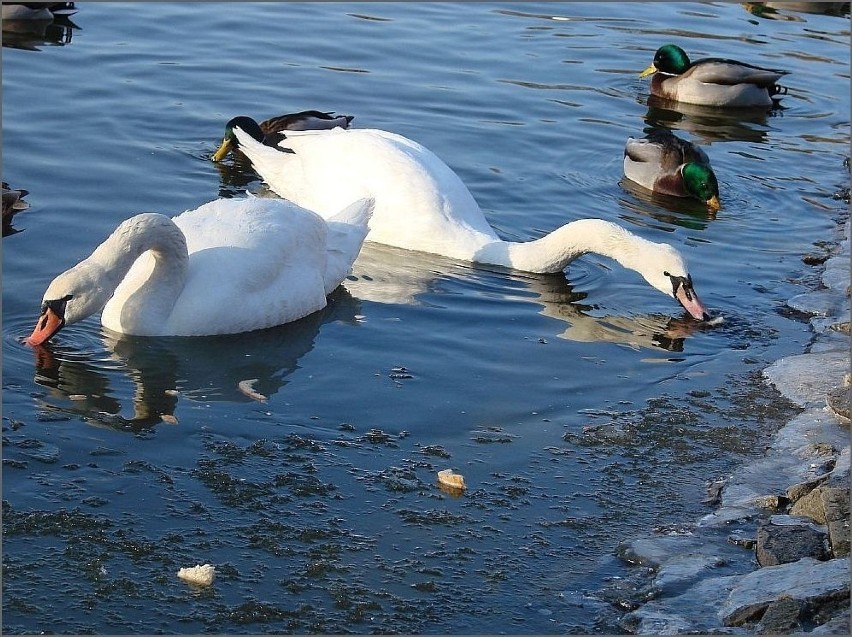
(773, 557)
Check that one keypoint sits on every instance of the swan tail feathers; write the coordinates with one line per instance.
(358, 213)
(346, 233)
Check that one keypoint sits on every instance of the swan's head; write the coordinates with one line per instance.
(72, 296)
(669, 59)
(700, 182)
(230, 142)
(664, 268)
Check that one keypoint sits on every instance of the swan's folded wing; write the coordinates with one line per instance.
(257, 263)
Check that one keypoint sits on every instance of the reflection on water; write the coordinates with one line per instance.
(234, 175)
(384, 274)
(788, 10)
(29, 35)
(710, 124)
(667, 209)
(164, 369)
(560, 302)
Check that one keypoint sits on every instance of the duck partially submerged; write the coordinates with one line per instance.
(663, 162)
(271, 129)
(422, 204)
(712, 81)
(230, 266)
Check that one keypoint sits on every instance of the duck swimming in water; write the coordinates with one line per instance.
(711, 81)
(663, 162)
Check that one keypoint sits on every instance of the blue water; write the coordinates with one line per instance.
(582, 409)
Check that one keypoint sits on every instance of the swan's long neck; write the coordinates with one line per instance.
(554, 251)
(100, 275)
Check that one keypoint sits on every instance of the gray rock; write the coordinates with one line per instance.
(828, 505)
(780, 544)
(808, 581)
(781, 617)
(772, 502)
(810, 506)
(838, 625)
(835, 501)
(801, 489)
(838, 401)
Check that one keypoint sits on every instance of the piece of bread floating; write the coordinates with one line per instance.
(447, 478)
(198, 574)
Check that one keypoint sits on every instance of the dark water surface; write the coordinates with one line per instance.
(581, 409)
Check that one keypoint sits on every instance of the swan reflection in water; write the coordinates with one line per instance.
(643, 331)
(384, 274)
(164, 370)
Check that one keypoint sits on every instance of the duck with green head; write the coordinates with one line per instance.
(711, 81)
(663, 162)
(271, 131)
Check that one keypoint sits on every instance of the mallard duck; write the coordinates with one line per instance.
(232, 265)
(13, 203)
(711, 81)
(271, 129)
(663, 162)
(421, 204)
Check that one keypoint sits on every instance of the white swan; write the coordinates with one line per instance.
(232, 265)
(421, 204)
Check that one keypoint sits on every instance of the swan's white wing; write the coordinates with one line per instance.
(421, 204)
(254, 263)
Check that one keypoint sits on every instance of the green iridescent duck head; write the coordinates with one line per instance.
(700, 182)
(669, 59)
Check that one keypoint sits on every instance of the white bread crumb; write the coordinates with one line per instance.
(198, 574)
(449, 479)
